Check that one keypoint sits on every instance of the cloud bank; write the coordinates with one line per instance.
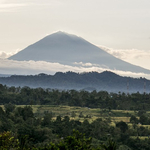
(36, 67)
(7, 54)
(133, 56)
(13, 5)
(10, 6)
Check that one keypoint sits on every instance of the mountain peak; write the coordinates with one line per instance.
(63, 33)
(59, 33)
(61, 36)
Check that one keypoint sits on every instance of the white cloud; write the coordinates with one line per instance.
(8, 54)
(36, 67)
(4, 55)
(11, 5)
(134, 56)
(6, 6)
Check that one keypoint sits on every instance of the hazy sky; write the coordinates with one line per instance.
(121, 25)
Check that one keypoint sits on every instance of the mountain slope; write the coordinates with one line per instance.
(69, 49)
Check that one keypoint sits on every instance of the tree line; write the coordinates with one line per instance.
(94, 99)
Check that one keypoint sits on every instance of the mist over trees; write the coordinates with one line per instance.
(105, 81)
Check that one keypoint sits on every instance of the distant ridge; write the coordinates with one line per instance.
(72, 50)
(105, 81)
(5, 75)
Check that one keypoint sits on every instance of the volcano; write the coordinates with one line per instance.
(68, 49)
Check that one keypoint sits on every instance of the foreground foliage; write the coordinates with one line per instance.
(31, 131)
(75, 142)
(28, 131)
(8, 141)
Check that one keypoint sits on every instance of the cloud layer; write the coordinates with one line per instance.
(6, 6)
(36, 67)
(133, 56)
(13, 5)
(7, 54)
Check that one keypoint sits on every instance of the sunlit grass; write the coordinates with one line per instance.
(82, 113)
(140, 137)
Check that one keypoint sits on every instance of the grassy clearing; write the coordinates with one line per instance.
(146, 126)
(81, 113)
(140, 137)
(118, 119)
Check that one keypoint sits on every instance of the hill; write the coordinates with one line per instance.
(106, 81)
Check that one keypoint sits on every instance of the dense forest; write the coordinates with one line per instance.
(94, 99)
(19, 126)
(22, 129)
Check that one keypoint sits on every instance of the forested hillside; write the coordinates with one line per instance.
(105, 81)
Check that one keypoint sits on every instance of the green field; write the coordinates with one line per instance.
(81, 113)
(84, 112)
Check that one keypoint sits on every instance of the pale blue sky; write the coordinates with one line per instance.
(119, 24)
